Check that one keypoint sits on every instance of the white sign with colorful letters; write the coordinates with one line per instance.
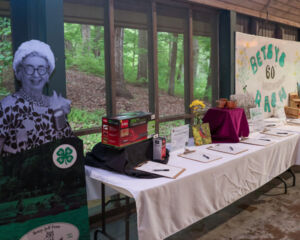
(267, 68)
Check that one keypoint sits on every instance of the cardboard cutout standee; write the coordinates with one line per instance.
(42, 183)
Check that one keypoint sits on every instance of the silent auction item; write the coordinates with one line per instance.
(159, 149)
(224, 103)
(126, 128)
(201, 131)
(124, 160)
(245, 101)
(221, 103)
(293, 109)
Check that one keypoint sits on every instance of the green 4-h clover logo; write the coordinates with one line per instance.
(64, 156)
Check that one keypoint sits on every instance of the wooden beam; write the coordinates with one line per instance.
(109, 45)
(188, 62)
(153, 64)
(248, 11)
(87, 131)
(4, 9)
(175, 117)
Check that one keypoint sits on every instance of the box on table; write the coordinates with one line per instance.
(126, 128)
(292, 112)
(294, 100)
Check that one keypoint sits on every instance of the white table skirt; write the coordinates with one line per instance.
(165, 206)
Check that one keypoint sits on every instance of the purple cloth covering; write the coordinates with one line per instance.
(227, 125)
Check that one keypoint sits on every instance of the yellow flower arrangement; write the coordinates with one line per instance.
(196, 106)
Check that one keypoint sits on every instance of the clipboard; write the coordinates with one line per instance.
(263, 141)
(199, 156)
(164, 170)
(278, 133)
(293, 121)
(228, 148)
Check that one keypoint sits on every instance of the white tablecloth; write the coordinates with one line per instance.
(165, 206)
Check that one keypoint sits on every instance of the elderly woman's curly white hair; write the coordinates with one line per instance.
(31, 46)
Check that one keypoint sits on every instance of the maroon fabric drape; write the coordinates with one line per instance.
(227, 125)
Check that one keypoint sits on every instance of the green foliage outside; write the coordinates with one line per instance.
(5, 52)
(82, 57)
(81, 119)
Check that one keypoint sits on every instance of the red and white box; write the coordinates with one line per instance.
(125, 129)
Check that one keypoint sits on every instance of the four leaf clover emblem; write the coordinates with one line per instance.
(64, 156)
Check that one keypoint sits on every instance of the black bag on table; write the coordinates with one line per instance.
(123, 160)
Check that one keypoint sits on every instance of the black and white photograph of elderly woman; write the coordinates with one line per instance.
(28, 118)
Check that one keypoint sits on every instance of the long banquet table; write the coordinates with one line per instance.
(165, 206)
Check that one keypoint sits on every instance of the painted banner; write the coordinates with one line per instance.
(267, 68)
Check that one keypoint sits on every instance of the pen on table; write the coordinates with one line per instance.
(207, 157)
(282, 133)
(157, 170)
(263, 139)
(231, 148)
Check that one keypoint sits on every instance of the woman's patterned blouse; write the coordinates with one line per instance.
(24, 125)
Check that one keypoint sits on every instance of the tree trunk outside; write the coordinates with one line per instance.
(85, 33)
(96, 47)
(173, 59)
(180, 67)
(121, 90)
(195, 57)
(142, 57)
(209, 80)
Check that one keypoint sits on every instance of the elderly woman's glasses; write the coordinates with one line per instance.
(41, 70)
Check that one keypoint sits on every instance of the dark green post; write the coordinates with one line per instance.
(227, 53)
(42, 20)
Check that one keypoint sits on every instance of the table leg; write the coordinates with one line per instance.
(293, 175)
(285, 185)
(103, 219)
(103, 215)
(127, 218)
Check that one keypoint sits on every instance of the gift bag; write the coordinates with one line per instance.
(201, 134)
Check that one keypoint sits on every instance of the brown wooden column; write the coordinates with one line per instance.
(109, 46)
(188, 62)
(152, 63)
(215, 61)
(227, 25)
(278, 31)
(253, 26)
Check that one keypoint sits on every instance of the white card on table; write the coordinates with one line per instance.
(179, 137)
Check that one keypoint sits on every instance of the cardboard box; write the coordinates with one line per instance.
(294, 100)
(292, 112)
(125, 129)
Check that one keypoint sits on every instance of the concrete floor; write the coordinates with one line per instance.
(267, 213)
